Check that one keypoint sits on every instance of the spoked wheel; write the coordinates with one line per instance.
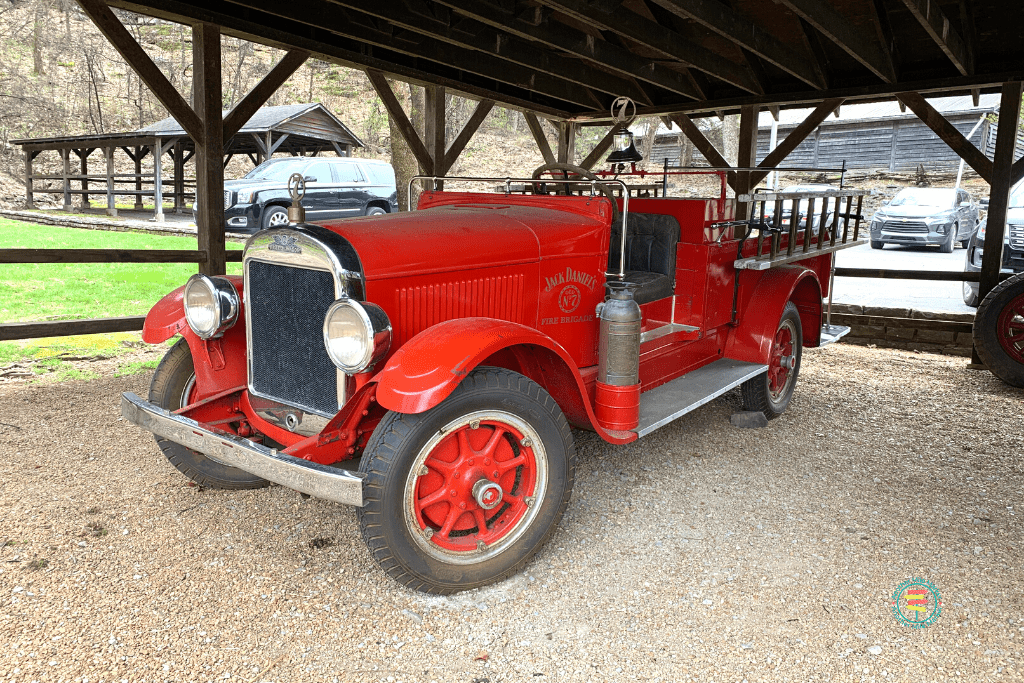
(464, 494)
(771, 392)
(999, 331)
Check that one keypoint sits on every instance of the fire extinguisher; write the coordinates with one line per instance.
(617, 396)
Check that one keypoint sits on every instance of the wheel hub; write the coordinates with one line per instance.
(487, 494)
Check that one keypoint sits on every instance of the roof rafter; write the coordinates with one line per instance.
(657, 37)
(839, 30)
(936, 23)
(745, 33)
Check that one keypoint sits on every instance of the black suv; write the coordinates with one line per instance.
(335, 188)
(1013, 246)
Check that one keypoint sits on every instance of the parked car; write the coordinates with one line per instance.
(425, 367)
(1013, 246)
(335, 188)
(924, 216)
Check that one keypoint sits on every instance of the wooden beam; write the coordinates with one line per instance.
(103, 255)
(691, 131)
(602, 147)
(29, 194)
(948, 133)
(464, 136)
(258, 96)
(533, 123)
(1000, 181)
(1017, 171)
(435, 128)
(531, 25)
(566, 142)
(148, 71)
(936, 24)
(718, 18)
(795, 137)
(653, 35)
(838, 28)
(65, 328)
(405, 127)
(206, 75)
(746, 157)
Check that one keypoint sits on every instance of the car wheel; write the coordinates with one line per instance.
(375, 211)
(999, 331)
(771, 392)
(173, 386)
(464, 494)
(275, 217)
(948, 246)
(970, 295)
(877, 244)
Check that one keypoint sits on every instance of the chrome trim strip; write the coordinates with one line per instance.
(666, 330)
(321, 481)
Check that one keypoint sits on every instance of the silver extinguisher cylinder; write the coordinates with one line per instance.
(619, 341)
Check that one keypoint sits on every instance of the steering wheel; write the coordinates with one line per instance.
(582, 173)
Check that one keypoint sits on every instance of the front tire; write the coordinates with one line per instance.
(464, 494)
(999, 331)
(970, 295)
(950, 244)
(771, 392)
(877, 244)
(375, 211)
(173, 387)
(275, 217)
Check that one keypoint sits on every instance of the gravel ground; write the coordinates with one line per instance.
(703, 552)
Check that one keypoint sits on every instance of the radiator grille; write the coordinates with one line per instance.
(1017, 236)
(909, 226)
(227, 199)
(288, 361)
(421, 307)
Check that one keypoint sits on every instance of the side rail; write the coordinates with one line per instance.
(813, 223)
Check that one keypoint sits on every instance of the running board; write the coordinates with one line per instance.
(830, 334)
(682, 395)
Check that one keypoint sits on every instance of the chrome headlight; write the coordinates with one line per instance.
(357, 335)
(211, 305)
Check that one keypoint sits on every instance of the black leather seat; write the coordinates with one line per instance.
(650, 254)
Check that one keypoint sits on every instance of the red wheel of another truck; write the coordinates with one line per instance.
(463, 494)
(476, 485)
(771, 391)
(999, 330)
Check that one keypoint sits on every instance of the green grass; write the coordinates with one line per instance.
(86, 290)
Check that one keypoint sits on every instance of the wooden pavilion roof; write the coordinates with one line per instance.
(571, 58)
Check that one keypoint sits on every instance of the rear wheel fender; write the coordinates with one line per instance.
(762, 309)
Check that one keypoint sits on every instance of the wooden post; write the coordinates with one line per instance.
(206, 65)
(29, 198)
(83, 156)
(179, 177)
(1001, 183)
(158, 180)
(747, 156)
(138, 178)
(270, 144)
(434, 130)
(108, 152)
(65, 156)
(566, 142)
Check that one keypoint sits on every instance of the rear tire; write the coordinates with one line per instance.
(999, 331)
(173, 384)
(770, 393)
(496, 455)
(375, 211)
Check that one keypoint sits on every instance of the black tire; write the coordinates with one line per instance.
(401, 535)
(375, 211)
(274, 217)
(171, 381)
(757, 392)
(950, 244)
(970, 295)
(1005, 299)
(877, 244)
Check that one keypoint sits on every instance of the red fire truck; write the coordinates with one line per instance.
(428, 367)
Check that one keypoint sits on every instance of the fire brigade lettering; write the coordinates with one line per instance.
(567, 319)
(570, 275)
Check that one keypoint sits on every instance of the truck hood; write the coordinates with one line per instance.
(462, 236)
(911, 211)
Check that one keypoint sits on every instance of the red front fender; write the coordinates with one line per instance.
(762, 307)
(429, 366)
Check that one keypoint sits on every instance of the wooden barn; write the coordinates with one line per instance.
(875, 136)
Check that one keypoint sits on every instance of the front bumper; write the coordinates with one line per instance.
(913, 238)
(320, 481)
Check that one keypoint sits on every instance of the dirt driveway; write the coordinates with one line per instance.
(703, 552)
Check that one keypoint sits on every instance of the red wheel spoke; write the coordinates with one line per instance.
(443, 468)
(514, 501)
(481, 521)
(432, 498)
(449, 522)
(506, 465)
(492, 443)
(464, 448)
